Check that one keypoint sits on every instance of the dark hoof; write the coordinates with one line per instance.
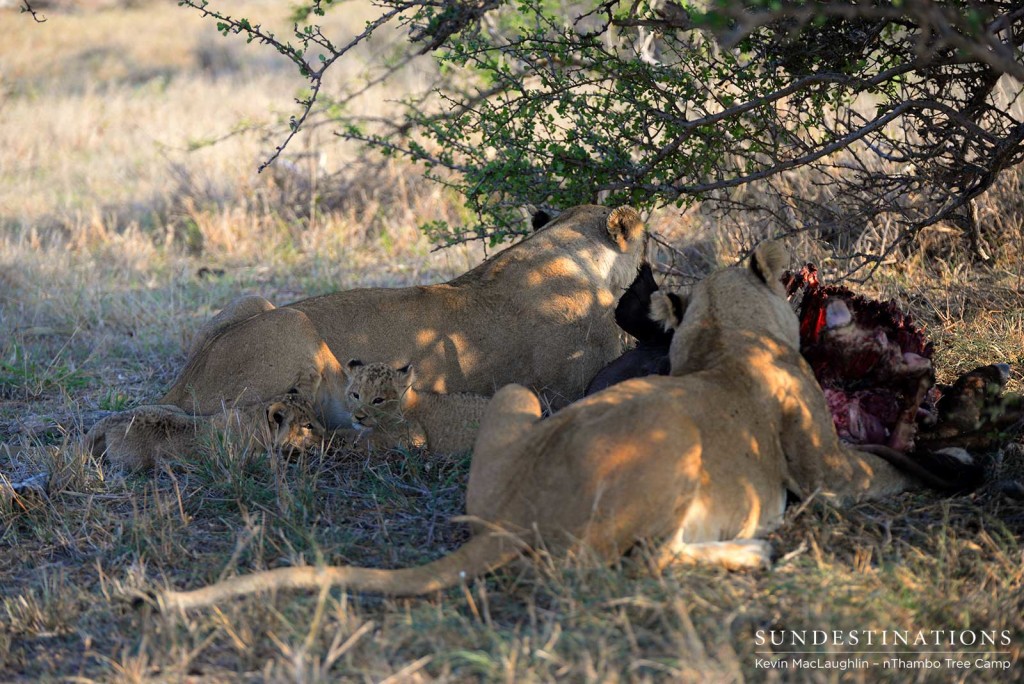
(958, 470)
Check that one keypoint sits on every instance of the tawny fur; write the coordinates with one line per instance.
(697, 463)
(143, 437)
(385, 400)
(539, 313)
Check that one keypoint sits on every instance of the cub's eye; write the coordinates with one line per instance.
(354, 395)
(378, 400)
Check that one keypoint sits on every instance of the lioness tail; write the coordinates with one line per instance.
(485, 551)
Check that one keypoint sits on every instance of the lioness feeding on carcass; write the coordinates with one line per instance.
(538, 313)
(698, 463)
(872, 361)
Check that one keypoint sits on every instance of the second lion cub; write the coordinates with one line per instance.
(383, 399)
(142, 437)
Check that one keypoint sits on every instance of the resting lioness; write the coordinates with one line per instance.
(698, 462)
(144, 436)
(538, 313)
(384, 400)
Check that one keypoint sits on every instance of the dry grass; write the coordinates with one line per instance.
(107, 222)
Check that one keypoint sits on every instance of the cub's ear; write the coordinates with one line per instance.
(406, 373)
(668, 308)
(625, 226)
(769, 261)
(278, 416)
(354, 363)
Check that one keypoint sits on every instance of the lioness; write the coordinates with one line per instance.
(698, 462)
(538, 313)
(384, 400)
(142, 437)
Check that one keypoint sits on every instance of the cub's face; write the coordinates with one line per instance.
(293, 423)
(374, 393)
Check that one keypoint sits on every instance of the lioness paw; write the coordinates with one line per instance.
(738, 554)
(956, 466)
(747, 554)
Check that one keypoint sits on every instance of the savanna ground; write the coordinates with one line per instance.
(121, 230)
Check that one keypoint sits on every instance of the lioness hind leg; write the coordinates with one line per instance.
(509, 414)
(738, 554)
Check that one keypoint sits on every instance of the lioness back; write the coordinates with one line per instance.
(539, 313)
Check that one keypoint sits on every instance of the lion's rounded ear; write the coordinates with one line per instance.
(668, 308)
(354, 363)
(625, 226)
(278, 415)
(406, 372)
(769, 261)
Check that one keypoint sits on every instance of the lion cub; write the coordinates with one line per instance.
(142, 437)
(383, 399)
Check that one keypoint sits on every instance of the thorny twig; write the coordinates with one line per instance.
(26, 8)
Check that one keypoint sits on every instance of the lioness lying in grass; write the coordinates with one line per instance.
(539, 313)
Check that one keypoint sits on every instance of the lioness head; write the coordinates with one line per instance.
(749, 301)
(292, 423)
(374, 393)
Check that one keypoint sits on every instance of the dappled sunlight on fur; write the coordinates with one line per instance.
(473, 334)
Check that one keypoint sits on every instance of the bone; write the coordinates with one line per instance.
(837, 314)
